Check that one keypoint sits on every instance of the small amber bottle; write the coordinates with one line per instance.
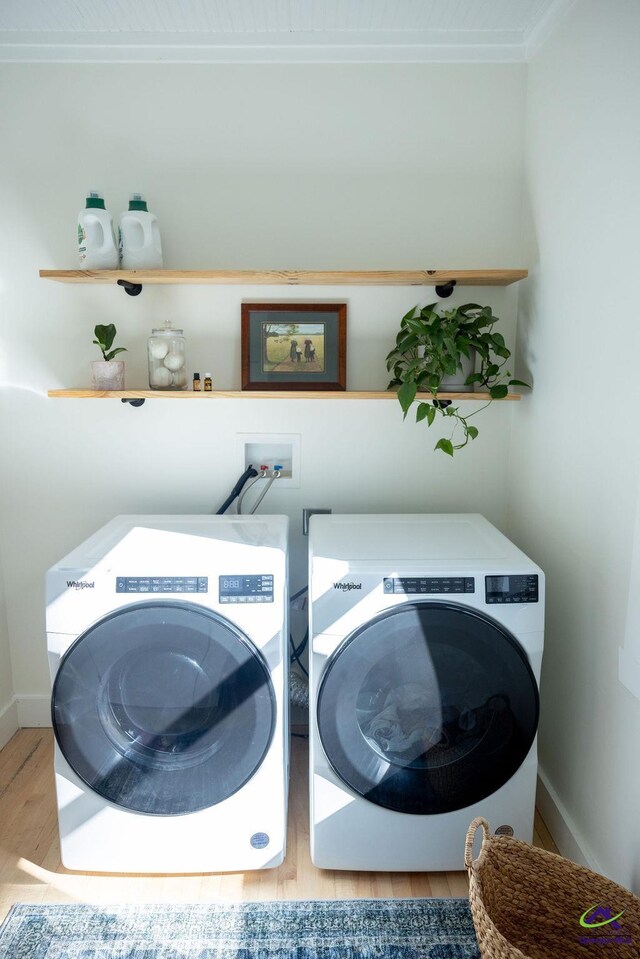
(196, 382)
(208, 384)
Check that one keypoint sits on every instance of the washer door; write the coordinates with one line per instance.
(164, 707)
(427, 708)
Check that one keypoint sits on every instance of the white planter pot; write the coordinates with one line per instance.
(456, 382)
(107, 374)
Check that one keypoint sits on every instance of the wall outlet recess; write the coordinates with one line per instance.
(272, 449)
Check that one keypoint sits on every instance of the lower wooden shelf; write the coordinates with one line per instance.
(254, 395)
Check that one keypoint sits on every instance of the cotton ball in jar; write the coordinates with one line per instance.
(160, 377)
(173, 361)
(180, 378)
(158, 350)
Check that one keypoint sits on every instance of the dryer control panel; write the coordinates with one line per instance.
(511, 589)
(429, 584)
(162, 584)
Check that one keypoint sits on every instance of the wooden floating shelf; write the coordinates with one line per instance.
(293, 277)
(256, 395)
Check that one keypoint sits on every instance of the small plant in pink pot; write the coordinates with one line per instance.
(107, 373)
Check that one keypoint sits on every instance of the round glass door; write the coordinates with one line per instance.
(427, 708)
(164, 708)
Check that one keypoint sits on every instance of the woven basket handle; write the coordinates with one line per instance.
(471, 835)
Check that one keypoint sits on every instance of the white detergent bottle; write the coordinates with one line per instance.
(96, 244)
(140, 245)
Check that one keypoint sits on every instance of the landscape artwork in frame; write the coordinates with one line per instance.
(294, 346)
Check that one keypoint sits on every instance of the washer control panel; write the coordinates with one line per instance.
(429, 584)
(162, 584)
(511, 589)
(246, 589)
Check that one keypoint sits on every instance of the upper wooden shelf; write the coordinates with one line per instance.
(293, 277)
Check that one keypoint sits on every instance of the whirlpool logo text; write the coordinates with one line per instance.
(345, 587)
(79, 584)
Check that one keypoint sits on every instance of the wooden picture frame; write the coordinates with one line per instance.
(294, 346)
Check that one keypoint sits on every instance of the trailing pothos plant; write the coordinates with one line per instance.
(430, 347)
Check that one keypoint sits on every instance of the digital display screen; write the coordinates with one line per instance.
(498, 584)
(228, 585)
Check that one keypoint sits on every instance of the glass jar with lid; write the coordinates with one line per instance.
(167, 359)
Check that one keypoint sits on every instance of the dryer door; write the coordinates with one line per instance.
(427, 708)
(164, 708)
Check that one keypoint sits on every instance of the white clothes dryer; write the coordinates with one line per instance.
(167, 639)
(426, 640)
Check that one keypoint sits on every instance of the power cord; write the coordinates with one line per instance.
(241, 487)
(297, 651)
(263, 474)
(260, 475)
(237, 489)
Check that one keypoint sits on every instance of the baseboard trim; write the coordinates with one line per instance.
(566, 835)
(33, 710)
(9, 724)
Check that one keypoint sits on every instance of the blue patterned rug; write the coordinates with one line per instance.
(324, 929)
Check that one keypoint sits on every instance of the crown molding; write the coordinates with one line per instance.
(417, 46)
(295, 47)
(536, 37)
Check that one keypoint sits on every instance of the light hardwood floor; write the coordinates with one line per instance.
(30, 868)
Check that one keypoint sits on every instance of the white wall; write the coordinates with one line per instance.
(574, 452)
(8, 712)
(285, 167)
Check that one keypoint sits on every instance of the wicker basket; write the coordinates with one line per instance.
(528, 903)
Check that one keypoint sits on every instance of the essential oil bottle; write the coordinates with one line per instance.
(208, 383)
(196, 382)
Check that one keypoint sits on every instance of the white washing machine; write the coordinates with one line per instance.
(167, 640)
(426, 645)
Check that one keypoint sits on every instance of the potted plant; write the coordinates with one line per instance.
(107, 373)
(438, 353)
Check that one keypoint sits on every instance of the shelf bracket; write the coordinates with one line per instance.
(439, 404)
(137, 402)
(133, 289)
(443, 290)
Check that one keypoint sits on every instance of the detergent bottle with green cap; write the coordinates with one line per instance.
(96, 244)
(140, 246)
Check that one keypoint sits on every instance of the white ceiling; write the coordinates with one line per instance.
(275, 30)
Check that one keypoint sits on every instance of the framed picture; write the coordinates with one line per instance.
(294, 346)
